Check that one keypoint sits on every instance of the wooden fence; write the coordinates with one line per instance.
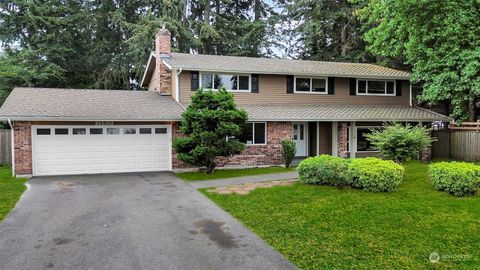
(456, 144)
(5, 146)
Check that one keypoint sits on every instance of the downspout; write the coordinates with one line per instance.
(177, 85)
(411, 102)
(13, 146)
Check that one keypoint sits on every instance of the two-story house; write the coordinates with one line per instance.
(325, 107)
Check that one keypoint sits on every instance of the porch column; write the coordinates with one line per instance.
(335, 139)
(342, 139)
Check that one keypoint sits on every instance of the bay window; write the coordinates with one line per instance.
(311, 85)
(231, 82)
(376, 87)
(363, 144)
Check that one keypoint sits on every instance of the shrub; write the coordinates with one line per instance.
(374, 174)
(457, 178)
(288, 151)
(323, 169)
(399, 142)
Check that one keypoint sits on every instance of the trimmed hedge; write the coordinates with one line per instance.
(457, 178)
(374, 174)
(323, 170)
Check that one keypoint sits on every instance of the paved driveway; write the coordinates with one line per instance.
(126, 221)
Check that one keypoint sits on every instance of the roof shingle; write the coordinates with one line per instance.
(81, 104)
(310, 112)
(219, 63)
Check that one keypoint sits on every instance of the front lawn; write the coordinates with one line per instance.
(10, 190)
(227, 173)
(320, 227)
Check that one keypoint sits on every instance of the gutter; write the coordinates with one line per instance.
(13, 146)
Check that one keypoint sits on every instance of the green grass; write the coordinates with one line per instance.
(227, 173)
(320, 227)
(10, 190)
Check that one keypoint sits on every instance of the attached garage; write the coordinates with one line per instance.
(75, 131)
(63, 150)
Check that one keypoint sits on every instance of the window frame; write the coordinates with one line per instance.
(200, 82)
(376, 94)
(311, 85)
(253, 134)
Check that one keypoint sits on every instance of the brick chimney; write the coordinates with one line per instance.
(162, 53)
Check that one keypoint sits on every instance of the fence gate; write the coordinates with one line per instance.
(5, 146)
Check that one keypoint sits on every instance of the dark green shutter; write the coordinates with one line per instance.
(195, 80)
(331, 85)
(289, 84)
(254, 83)
(353, 86)
(398, 88)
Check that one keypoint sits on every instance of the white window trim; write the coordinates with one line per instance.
(253, 134)
(309, 92)
(227, 73)
(356, 139)
(376, 94)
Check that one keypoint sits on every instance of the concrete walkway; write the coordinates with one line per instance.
(244, 179)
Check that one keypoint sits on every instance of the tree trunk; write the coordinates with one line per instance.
(472, 109)
(211, 167)
(206, 19)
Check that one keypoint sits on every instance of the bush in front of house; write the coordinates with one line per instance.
(400, 142)
(323, 170)
(456, 178)
(289, 150)
(374, 174)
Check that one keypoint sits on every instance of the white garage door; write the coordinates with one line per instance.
(62, 150)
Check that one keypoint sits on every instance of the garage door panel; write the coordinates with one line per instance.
(106, 153)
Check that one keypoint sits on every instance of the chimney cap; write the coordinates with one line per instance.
(163, 32)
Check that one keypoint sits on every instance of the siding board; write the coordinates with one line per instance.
(272, 89)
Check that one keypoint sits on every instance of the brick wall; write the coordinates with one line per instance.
(23, 147)
(342, 139)
(253, 155)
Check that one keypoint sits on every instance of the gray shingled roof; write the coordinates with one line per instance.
(306, 112)
(218, 63)
(76, 104)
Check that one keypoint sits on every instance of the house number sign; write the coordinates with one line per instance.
(103, 123)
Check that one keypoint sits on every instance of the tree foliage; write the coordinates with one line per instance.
(439, 39)
(399, 142)
(208, 121)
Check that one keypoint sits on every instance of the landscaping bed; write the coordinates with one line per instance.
(10, 190)
(325, 227)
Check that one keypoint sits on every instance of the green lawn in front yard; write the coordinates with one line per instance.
(320, 227)
(227, 173)
(10, 190)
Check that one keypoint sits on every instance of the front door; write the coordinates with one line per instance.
(299, 137)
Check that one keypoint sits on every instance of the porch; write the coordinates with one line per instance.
(345, 139)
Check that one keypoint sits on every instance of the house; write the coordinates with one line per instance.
(325, 107)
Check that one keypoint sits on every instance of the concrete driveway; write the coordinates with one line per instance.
(126, 221)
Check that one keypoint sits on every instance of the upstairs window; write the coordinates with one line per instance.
(231, 82)
(311, 85)
(376, 87)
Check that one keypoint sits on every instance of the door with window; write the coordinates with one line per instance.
(61, 150)
(299, 136)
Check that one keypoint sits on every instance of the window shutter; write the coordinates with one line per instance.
(353, 86)
(254, 85)
(331, 85)
(398, 88)
(289, 84)
(195, 80)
